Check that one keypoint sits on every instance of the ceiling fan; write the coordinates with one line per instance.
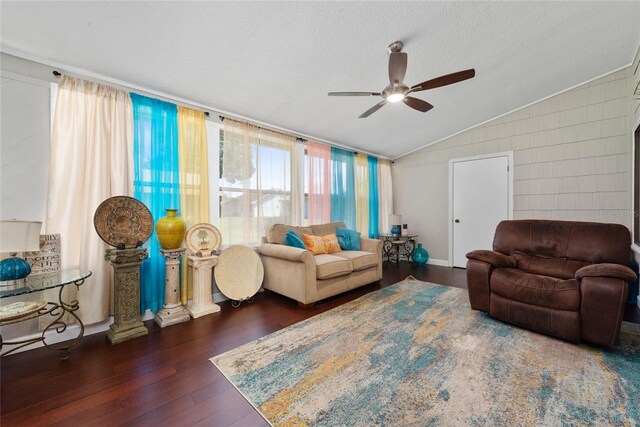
(398, 91)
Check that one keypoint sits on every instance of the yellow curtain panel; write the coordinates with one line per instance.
(194, 179)
(362, 194)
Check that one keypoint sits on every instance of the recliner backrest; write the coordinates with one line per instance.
(589, 242)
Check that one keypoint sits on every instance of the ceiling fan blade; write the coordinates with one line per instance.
(397, 67)
(417, 104)
(444, 80)
(373, 109)
(353, 93)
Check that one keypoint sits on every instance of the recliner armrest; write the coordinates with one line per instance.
(615, 271)
(496, 259)
(285, 252)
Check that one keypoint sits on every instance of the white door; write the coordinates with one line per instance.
(480, 200)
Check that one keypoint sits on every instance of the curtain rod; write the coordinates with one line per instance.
(298, 139)
(56, 73)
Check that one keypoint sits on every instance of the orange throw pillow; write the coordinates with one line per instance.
(331, 242)
(321, 245)
(314, 244)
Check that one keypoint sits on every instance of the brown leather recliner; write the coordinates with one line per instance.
(562, 278)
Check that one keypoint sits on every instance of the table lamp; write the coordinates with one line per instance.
(17, 236)
(395, 221)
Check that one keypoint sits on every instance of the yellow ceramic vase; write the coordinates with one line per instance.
(170, 230)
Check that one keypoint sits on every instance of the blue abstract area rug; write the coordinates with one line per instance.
(415, 354)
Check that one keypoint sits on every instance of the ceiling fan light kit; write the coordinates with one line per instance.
(395, 97)
(398, 91)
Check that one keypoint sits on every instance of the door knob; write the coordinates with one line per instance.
(457, 221)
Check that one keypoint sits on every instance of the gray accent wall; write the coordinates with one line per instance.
(572, 161)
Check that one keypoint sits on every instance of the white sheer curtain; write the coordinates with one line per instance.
(91, 160)
(260, 183)
(385, 190)
(362, 193)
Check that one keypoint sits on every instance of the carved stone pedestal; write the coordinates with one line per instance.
(201, 269)
(172, 311)
(126, 305)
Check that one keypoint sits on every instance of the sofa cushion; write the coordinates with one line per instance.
(561, 268)
(321, 244)
(359, 259)
(328, 266)
(541, 291)
(292, 239)
(331, 242)
(349, 239)
(276, 233)
(324, 229)
(563, 324)
(314, 244)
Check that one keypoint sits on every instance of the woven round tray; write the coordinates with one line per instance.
(239, 272)
(123, 222)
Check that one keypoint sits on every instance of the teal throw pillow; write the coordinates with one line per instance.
(292, 239)
(349, 240)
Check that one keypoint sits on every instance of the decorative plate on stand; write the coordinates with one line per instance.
(203, 239)
(123, 222)
(239, 273)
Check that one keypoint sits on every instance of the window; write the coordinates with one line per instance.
(257, 188)
(151, 177)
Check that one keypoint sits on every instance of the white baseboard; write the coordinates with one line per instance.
(147, 315)
(217, 297)
(439, 262)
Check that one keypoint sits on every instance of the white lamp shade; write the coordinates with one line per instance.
(395, 219)
(19, 236)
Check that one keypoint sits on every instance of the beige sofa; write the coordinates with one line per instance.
(307, 278)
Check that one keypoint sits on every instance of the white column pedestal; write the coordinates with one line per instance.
(172, 311)
(201, 269)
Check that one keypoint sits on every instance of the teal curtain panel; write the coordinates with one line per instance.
(156, 183)
(373, 197)
(343, 187)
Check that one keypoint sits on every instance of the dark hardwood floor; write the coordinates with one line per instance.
(166, 378)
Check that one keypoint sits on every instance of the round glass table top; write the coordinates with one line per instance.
(37, 283)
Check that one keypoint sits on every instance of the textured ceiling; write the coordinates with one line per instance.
(275, 62)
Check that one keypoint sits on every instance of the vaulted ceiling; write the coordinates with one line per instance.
(275, 61)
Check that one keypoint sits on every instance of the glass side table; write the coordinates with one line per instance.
(23, 311)
(398, 248)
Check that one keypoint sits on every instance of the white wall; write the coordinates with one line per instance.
(572, 157)
(25, 93)
(25, 141)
